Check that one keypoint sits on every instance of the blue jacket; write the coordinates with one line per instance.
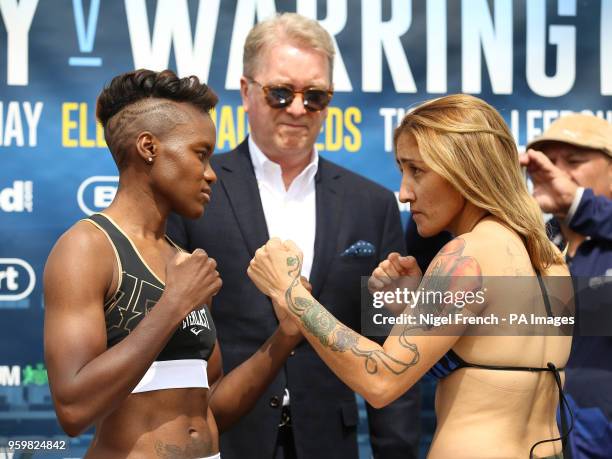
(592, 218)
(589, 369)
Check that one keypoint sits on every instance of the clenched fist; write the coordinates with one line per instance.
(192, 280)
(275, 267)
(395, 272)
(390, 271)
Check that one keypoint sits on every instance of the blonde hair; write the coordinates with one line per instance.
(283, 28)
(466, 141)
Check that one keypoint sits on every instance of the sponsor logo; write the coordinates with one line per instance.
(96, 193)
(30, 375)
(86, 33)
(17, 279)
(10, 376)
(196, 321)
(17, 198)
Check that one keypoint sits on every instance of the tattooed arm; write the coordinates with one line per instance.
(379, 373)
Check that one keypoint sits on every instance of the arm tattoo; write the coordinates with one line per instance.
(449, 271)
(339, 338)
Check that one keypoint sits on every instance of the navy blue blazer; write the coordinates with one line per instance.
(349, 208)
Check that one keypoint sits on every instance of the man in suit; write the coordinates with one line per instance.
(263, 185)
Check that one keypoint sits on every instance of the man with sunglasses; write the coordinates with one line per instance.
(275, 184)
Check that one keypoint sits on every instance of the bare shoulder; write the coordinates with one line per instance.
(83, 243)
(81, 256)
(456, 258)
(78, 274)
(491, 249)
(499, 250)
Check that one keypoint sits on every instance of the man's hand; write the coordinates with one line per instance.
(553, 189)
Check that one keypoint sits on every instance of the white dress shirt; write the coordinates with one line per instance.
(290, 213)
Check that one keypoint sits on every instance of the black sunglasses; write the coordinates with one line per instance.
(282, 95)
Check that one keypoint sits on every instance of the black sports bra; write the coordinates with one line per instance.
(138, 290)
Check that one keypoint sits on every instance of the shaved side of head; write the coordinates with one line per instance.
(144, 100)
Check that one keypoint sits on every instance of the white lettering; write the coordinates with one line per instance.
(104, 195)
(606, 48)
(563, 37)
(10, 376)
(520, 319)
(246, 13)
(388, 115)
(532, 130)
(17, 198)
(196, 318)
(172, 27)
(402, 319)
(32, 119)
(478, 31)
(378, 37)
(10, 275)
(84, 193)
(17, 17)
(334, 23)
(436, 46)
(514, 125)
(13, 128)
(392, 117)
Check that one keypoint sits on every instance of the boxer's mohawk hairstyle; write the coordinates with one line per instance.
(144, 97)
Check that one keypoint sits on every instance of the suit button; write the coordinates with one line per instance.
(275, 402)
(292, 353)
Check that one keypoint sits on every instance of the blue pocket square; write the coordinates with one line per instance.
(360, 249)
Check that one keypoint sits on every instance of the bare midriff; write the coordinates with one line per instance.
(170, 424)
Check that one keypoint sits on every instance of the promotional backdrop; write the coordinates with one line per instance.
(533, 60)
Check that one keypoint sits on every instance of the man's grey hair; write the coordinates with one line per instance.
(286, 28)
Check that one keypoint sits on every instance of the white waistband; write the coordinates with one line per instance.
(174, 374)
(216, 456)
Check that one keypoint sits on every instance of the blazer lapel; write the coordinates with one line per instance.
(329, 198)
(240, 184)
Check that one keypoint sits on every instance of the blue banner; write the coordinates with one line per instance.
(534, 61)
